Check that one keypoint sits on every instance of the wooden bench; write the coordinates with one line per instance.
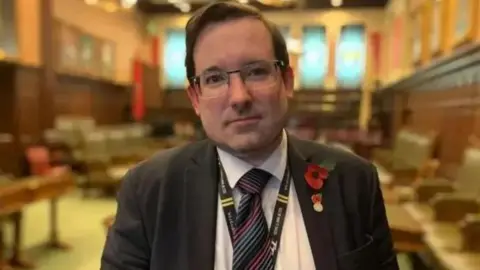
(470, 231)
(108, 149)
(449, 246)
(407, 161)
(108, 222)
(449, 212)
(450, 201)
(407, 233)
(453, 246)
(15, 195)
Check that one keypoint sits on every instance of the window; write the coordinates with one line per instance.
(350, 58)
(314, 60)
(174, 59)
(8, 36)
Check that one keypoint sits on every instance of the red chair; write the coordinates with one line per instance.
(38, 159)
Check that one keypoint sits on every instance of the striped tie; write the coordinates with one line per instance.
(251, 238)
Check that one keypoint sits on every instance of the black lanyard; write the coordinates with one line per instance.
(279, 212)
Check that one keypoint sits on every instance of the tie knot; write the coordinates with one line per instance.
(253, 181)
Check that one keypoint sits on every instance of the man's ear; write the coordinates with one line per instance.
(288, 81)
(192, 93)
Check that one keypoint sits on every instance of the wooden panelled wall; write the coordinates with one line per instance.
(444, 98)
(24, 114)
(102, 100)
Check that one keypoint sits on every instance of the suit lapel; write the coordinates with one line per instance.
(200, 186)
(317, 224)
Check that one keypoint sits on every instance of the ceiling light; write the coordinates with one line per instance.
(184, 7)
(276, 3)
(243, 1)
(337, 3)
(128, 3)
(91, 2)
(110, 7)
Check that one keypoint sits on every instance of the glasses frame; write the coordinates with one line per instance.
(195, 80)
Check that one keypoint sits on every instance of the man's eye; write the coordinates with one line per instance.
(214, 78)
(257, 72)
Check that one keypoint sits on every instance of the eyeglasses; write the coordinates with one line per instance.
(256, 76)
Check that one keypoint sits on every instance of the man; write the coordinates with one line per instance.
(250, 197)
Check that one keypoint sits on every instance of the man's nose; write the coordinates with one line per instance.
(239, 94)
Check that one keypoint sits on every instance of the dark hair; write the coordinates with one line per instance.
(223, 11)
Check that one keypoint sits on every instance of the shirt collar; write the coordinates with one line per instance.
(275, 164)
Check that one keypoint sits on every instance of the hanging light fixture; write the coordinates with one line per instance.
(181, 4)
(112, 5)
(336, 3)
(128, 3)
(277, 3)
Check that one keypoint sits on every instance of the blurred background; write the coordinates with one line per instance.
(91, 87)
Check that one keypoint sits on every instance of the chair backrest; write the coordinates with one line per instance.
(468, 176)
(397, 142)
(117, 141)
(137, 138)
(38, 158)
(412, 150)
(420, 150)
(95, 146)
(72, 129)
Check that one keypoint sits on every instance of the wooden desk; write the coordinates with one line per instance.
(17, 194)
(108, 222)
(444, 242)
(407, 233)
(118, 172)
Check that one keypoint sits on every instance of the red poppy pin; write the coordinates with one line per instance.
(315, 176)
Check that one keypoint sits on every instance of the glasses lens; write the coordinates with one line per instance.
(259, 75)
(213, 82)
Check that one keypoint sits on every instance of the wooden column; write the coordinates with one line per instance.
(48, 77)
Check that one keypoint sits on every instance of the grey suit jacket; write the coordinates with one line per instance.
(167, 211)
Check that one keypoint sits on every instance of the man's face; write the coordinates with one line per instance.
(240, 118)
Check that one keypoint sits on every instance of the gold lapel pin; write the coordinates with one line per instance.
(318, 206)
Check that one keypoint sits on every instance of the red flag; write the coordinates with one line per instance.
(154, 45)
(375, 43)
(331, 56)
(397, 43)
(138, 102)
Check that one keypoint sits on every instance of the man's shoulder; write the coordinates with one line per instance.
(353, 175)
(353, 170)
(165, 156)
(150, 171)
(333, 154)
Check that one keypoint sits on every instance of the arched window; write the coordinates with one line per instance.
(8, 36)
(351, 57)
(314, 59)
(174, 59)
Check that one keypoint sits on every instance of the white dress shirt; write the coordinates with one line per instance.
(294, 252)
